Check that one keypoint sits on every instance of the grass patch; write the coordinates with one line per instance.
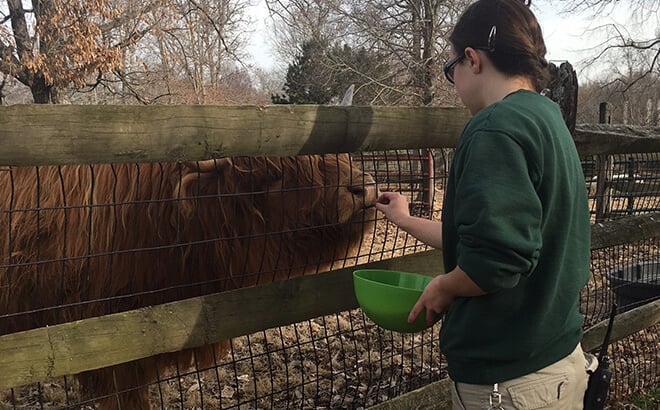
(648, 399)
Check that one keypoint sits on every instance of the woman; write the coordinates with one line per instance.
(515, 230)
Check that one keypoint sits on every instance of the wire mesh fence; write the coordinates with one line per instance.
(253, 221)
(622, 185)
(629, 275)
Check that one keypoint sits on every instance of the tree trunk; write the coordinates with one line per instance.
(428, 57)
(42, 93)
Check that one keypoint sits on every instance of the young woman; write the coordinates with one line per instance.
(515, 230)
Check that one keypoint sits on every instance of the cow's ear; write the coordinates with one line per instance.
(211, 165)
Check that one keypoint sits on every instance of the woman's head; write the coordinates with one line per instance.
(509, 34)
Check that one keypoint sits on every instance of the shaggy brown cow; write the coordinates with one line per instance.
(83, 241)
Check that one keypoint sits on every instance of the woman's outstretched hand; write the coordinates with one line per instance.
(396, 209)
(394, 206)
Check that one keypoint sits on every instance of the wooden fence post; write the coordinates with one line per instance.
(630, 184)
(604, 165)
(563, 89)
(428, 172)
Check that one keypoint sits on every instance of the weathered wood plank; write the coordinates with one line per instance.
(81, 134)
(595, 139)
(636, 188)
(66, 134)
(436, 396)
(34, 355)
(625, 324)
(625, 230)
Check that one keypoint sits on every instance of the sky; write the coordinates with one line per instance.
(259, 46)
(564, 34)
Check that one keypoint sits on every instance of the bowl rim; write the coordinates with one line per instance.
(355, 275)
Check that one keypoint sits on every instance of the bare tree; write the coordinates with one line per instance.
(409, 35)
(122, 51)
(412, 33)
(199, 45)
(627, 57)
(630, 48)
(300, 21)
(638, 104)
(184, 58)
(48, 45)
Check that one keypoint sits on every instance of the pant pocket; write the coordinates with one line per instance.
(538, 393)
(456, 401)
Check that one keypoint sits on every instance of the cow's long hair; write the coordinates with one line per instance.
(83, 241)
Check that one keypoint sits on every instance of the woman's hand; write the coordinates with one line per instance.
(441, 292)
(435, 300)
(394, 206)
(396, 210)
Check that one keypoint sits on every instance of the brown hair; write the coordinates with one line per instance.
(515, 46)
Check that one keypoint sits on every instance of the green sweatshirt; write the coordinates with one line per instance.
(516, 220)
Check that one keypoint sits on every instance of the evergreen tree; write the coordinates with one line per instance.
(308, 79)
(322, 73)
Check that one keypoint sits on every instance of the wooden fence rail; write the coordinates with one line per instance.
(53, 135)
(60, 134)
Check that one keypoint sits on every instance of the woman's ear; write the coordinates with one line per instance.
(474, 60)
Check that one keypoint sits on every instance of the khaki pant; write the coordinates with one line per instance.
(559, 386)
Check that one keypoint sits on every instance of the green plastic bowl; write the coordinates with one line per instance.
(388, 296)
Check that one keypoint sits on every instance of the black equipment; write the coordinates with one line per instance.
(599, 379)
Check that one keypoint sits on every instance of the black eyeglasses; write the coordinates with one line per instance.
(451, 65)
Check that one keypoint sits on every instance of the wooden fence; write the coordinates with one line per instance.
(52, 135)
